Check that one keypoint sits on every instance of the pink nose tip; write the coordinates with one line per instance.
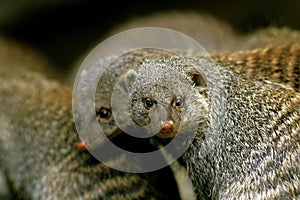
(166, 128)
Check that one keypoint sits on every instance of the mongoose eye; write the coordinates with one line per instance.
(178, 103)
(148, 103)
(103, 113)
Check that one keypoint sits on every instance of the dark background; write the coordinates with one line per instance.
(65, 29)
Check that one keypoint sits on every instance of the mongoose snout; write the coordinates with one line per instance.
(167, 127)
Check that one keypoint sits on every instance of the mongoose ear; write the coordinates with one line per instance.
(196, 77)
(130, 77)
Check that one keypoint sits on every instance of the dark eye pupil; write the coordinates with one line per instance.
(148, 103)
(103, 113)
(178, 102)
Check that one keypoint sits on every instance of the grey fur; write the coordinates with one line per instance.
(252, 64)
(38, 153)
(247, 144)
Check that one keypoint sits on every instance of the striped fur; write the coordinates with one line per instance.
(247, 143)
(38, 154)
(279, 64)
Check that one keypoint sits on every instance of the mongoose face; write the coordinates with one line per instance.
(159, 108)
(162, 99)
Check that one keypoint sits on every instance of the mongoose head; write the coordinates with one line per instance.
(165, 99)
(177, 95)
(108, 80)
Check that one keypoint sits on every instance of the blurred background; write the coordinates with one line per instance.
(65, 29)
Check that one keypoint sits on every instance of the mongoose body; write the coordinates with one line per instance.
(38, 154)
(247, 142)
(278, 64)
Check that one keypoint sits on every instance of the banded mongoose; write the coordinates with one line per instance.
(265, 63)
(38, 154)
(247, 142)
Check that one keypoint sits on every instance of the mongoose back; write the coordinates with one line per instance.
(38, 154)
(247, 142)
(278, 64)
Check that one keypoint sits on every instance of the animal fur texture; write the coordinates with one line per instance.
(38, 153)
(247, 142)
(15, 111)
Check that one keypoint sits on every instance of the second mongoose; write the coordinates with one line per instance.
(37, 137)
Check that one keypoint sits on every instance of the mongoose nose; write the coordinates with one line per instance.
(167, 127)
(81, 145)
